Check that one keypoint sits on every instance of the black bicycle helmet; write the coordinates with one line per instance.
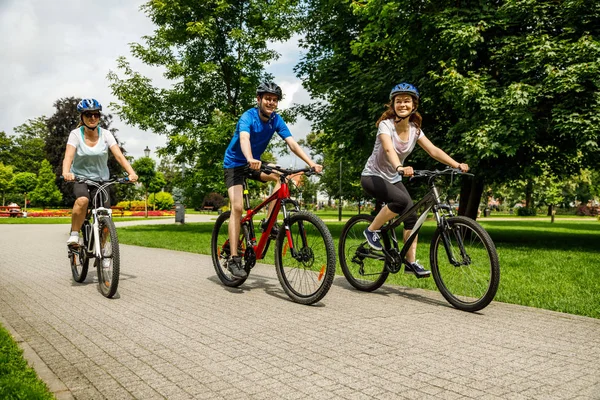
(269, 87)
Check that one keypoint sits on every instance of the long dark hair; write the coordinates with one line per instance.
(415, 118)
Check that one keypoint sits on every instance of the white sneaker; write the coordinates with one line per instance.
(73, 240)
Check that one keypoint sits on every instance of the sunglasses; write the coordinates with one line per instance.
(91, 115)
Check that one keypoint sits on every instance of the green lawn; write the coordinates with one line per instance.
(17, 379)
(551, 266)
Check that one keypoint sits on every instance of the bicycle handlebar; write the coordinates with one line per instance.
(286, 171)
(81, 179)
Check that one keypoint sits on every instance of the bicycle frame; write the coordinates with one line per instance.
(431, 201)
(93, 241)
(281, 196)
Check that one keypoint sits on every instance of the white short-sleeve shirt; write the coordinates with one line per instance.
(378, 164)
(91, 162)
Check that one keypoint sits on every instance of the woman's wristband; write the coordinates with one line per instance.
(399, 166)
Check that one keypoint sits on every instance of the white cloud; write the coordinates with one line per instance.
(63, 48)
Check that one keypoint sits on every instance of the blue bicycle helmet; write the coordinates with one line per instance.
(404, 88)
(89, 105)
(269, 87)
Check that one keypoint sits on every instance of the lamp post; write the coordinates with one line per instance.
(146, 154)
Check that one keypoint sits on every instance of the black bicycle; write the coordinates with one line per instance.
(463, 258)
(98, 240)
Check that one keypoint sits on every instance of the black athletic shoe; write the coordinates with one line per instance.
(234, 265)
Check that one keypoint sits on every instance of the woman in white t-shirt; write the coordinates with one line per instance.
(398, 131)
(87, 156)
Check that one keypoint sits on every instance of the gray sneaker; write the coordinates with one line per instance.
(416, 269)
(234, 265)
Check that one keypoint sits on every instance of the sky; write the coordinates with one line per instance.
(53, 49)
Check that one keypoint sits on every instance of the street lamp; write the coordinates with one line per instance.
(147, 152)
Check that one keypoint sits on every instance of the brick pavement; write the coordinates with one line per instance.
(175, 332)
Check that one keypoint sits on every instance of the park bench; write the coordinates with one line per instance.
(10, 211)
(207, 209)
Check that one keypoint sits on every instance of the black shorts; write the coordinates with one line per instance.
(235, 176)
(82, 190)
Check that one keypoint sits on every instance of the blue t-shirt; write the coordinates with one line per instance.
(260, 135)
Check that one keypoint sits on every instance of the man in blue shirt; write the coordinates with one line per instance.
(253, 133)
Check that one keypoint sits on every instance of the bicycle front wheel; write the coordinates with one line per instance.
(358, 261)
(305, 258)
(221, 253)
(108, 265)
(464, 263)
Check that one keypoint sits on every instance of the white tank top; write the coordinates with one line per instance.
(378, 164)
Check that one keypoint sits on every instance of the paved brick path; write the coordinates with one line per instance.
(175, 332)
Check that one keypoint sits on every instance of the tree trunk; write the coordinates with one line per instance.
(470, 197)
(529, 194)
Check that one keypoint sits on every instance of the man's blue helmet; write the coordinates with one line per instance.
(404, 88)
(89, 105)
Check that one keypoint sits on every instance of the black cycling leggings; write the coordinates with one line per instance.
(394, 195)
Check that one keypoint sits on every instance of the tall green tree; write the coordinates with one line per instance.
(214, 53)
(156, 185)
(510, 87)
(28, 150)
(60, 124)
(6, 177)
(46, 192)
(24, 183)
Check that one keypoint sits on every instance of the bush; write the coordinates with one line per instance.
(129, 205)
(526, 211)
(163, 200)
(587, 210)
(215, 200)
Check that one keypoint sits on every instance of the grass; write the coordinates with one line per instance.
(17, 379)
(543, 265)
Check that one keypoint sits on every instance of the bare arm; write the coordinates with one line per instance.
(247, 150)
(392, 156)
(123, 162)
(440, 155)
(297, 150)
(67, 162)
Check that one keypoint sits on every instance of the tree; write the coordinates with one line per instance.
(6, 177)
(60, 124)
(46, 192)
(28, 149)
(510, 87)
(145, 169)
(214, 52)
(24, 183)
(6, 143)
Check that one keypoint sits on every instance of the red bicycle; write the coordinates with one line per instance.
(304, 249)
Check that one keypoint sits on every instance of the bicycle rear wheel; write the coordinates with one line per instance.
(471, 282)
(364, 273)
(221, 253)
(305, 271)
(108, 265)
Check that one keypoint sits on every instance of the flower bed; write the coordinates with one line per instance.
(150, 213)
(49, 213)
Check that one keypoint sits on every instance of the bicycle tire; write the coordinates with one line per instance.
(472, 285)
(307, 277)
(352, 243)
(108, 265)
(219, 245)
(79, 263)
